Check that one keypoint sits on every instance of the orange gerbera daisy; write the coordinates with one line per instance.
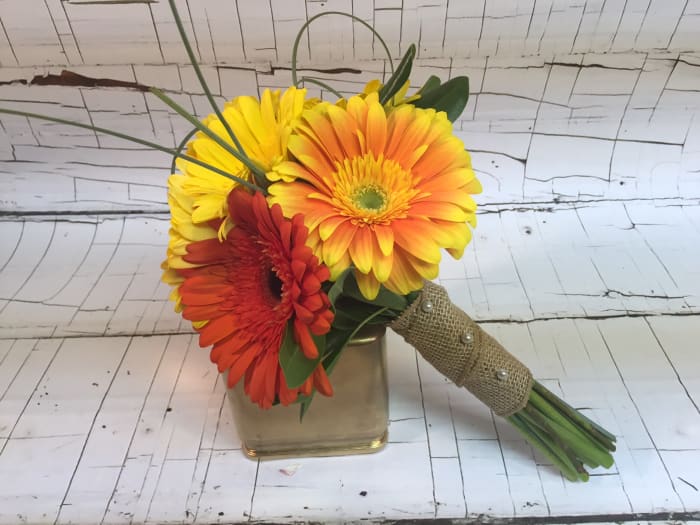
(243, 292)
(383, 192)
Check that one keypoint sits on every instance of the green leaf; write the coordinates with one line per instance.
(295, 365)
(337, 288)
(304, 402)
(432, 83)
(385, 298)
(335, 343)
(336, 340)
(450, 97)
(399, 77)
(349, 313)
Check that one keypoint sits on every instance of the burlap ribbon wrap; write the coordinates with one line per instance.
(454, 344)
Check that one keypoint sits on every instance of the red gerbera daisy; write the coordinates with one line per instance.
(247, 288)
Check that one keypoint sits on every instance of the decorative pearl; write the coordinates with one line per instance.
(427, 306)
(501, 374)
(467, 338)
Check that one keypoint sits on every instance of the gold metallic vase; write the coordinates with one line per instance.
(353, 421)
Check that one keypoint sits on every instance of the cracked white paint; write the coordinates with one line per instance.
(584, 127)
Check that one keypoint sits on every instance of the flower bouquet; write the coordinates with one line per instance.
(297, 222)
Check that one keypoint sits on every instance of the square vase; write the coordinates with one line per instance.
(352, 421)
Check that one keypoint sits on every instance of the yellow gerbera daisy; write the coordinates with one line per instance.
(183, 232)
(198, 196)
(382, 192)
(261, 126)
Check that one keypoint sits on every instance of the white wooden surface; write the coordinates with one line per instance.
(75, 32)
(137, 431)
(580, 129)
(584, 127)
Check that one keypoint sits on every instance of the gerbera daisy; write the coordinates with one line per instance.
(261, 126)
(244, 291)
(182, 233)
(198, 195)
(381, 192)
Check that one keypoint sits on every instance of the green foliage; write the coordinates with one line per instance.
(430, 84)
(295, 365)
(450, 97)
(385, 298)
(399, 77)
(336, 341)
(337, 288)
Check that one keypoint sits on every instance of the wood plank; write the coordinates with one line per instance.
(228, 488)
(169, 501)
(149, 431)
(127, 492)
(189, 403)
(484, 478)
(115, 425)
(13, 354)
(652, 383)
(349, 486)
(89, 494)
(449, 493)
(66, 402)
(30, 251)
(524, 486)
(645, 479)
(27, 497)
(63, 257)
(18, 391)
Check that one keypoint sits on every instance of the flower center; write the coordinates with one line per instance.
(274, 284)
(370, 197)
(372, 190)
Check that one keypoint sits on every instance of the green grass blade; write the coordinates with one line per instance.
(209, 133)
(200, 77)
(312, 80)
(180, 147)
(297, 40)
(136, 140)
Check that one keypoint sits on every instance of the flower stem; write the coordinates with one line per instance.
(537, 439)
(574, 414)
(564, 435)
(587, 447)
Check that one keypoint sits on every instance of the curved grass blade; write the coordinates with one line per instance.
(312, 80)
(297, 40)
(180, 147)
